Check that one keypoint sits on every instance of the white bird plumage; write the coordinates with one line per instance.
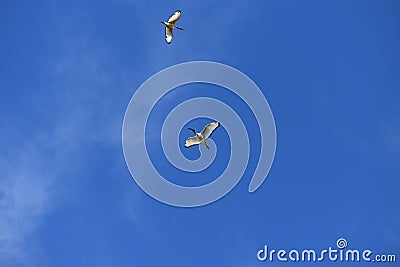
(170, 25)
(200, 138)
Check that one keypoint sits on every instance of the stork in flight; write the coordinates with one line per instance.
(170, 25)
(200, 138)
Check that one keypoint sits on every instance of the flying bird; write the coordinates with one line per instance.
(200, 138)
(170, 25)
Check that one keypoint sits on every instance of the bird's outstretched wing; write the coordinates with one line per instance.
(208, 130)
(191, 141)
(174, 18)
(168, 35)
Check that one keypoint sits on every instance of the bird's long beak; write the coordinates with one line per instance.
(192, 130)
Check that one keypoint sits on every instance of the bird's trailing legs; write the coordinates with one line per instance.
(205, 143)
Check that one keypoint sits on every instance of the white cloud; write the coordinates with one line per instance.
(25, 196)
(71, 112)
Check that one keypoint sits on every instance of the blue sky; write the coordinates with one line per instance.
(329, 70)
